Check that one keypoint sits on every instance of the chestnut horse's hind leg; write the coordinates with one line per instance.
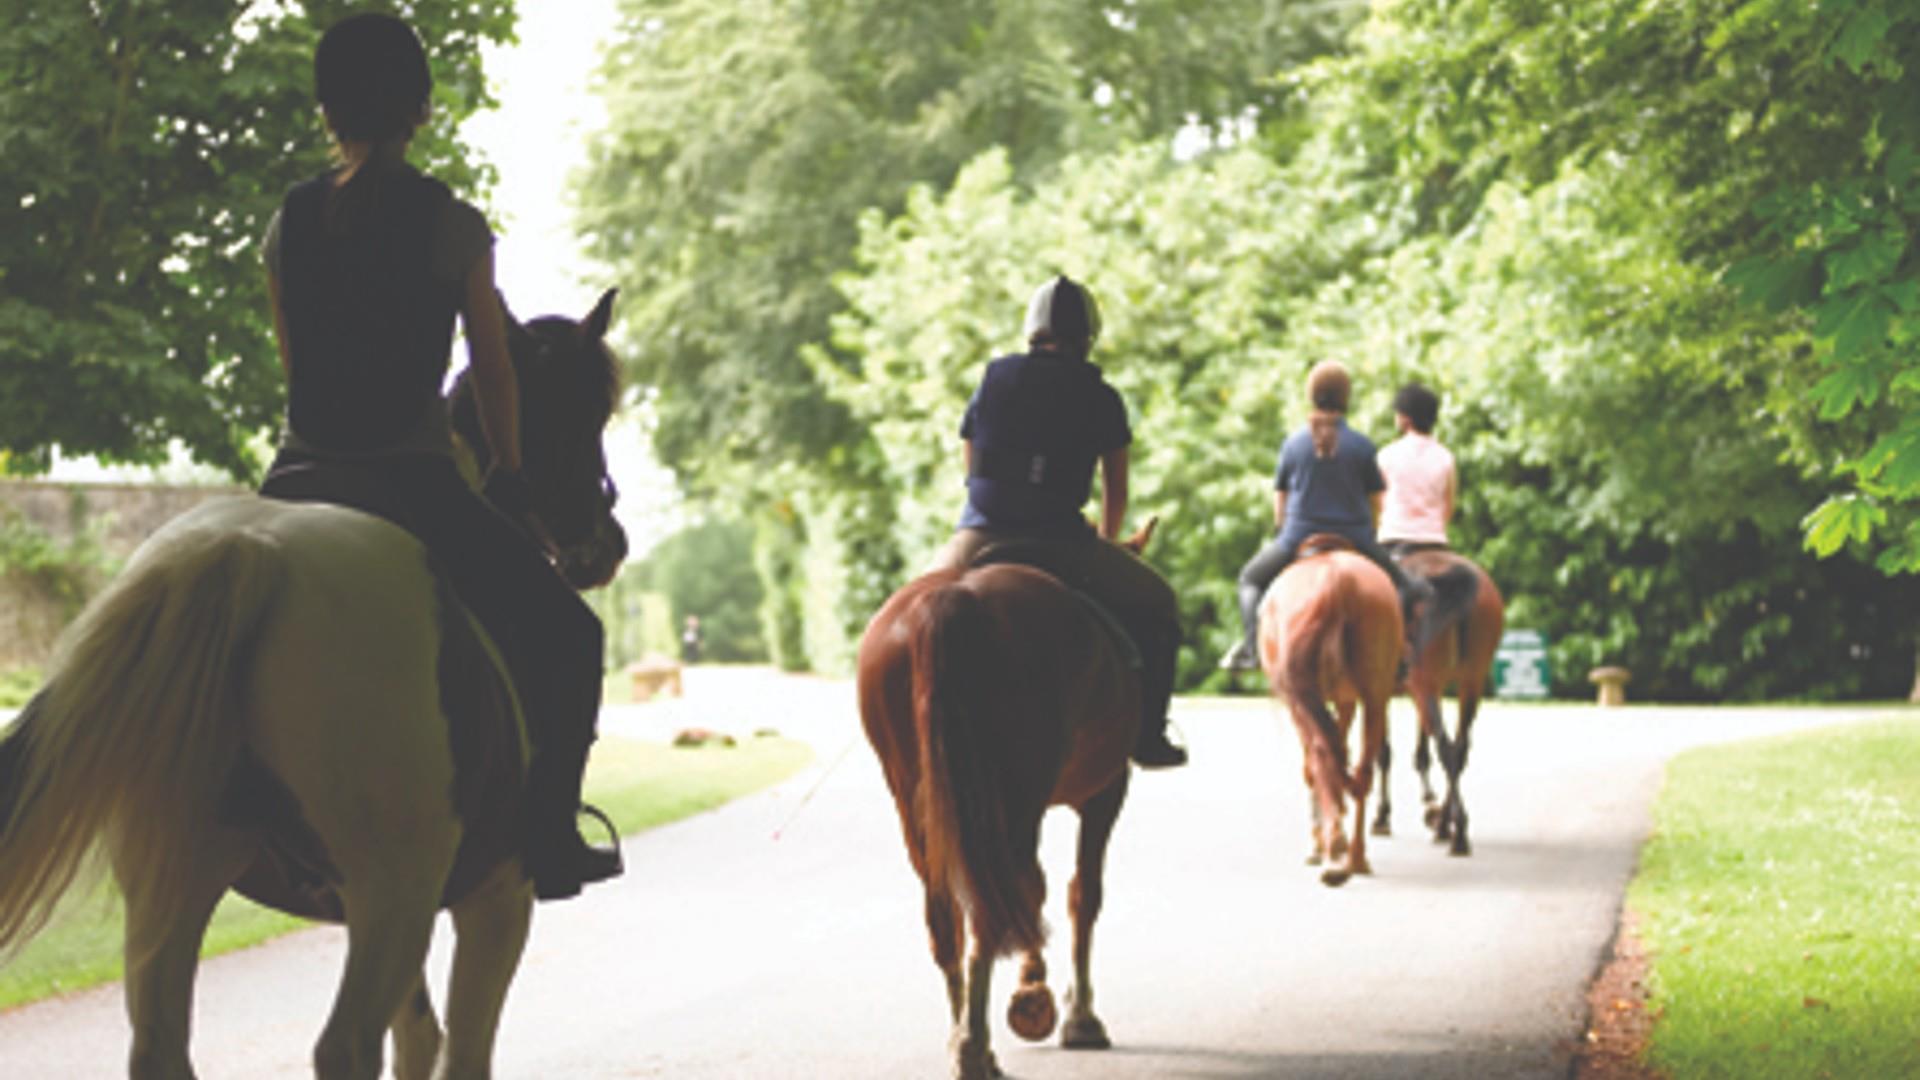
(1373, 731)
(1083, 1030)
(163, 953)
(1031, 1013)
(490, 930)
(968, 1048)
(944, 927)
(1454, 810)
(1422, 763)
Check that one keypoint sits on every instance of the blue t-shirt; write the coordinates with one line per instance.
(1329, 494)
(1038, 422)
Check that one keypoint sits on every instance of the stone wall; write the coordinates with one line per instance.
(120, 516)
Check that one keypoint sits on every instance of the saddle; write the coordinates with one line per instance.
(1047, 558)
(1322, 544)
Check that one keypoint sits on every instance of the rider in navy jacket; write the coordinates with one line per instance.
(1038, 426)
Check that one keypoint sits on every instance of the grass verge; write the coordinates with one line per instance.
(638, 784)
(1781, 908)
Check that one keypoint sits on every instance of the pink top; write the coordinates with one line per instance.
(1419, 471)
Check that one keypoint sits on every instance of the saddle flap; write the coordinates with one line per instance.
(1054, 560)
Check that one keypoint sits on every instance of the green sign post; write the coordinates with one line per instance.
(1520, 665)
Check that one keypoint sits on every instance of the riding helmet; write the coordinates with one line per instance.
(1063, 312)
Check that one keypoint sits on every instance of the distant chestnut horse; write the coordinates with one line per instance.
(991, 694)
(1463, 633)
(1330, 640)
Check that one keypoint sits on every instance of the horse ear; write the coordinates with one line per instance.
(596, 325)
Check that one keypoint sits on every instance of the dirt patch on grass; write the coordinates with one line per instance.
(1618, 1022)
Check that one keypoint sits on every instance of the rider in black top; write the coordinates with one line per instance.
(369, 264)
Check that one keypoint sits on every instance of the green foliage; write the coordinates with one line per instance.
(65, 571)
(145, 146)
(1789, 137)
(18, 685)
(747, 138)
(707, 570)
(1776, 899)
(1607, 400)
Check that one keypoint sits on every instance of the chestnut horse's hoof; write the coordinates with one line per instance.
(1031, 1014)
(1085, 1033)
(1335, 876)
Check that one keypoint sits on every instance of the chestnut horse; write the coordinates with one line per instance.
(282, 699)
(1330, 640)
(991, 694)
(1467, 617)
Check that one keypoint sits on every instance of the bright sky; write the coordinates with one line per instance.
(537, 139)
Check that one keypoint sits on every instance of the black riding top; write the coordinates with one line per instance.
(369, 323)
(1039, 422)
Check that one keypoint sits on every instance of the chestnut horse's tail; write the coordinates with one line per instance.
(969, 818)
(1312, 649)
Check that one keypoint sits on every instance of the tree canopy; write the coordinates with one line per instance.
(143, 148)
(1625, 240)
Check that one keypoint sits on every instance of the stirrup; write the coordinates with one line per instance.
(613, 831)
(1240, 658)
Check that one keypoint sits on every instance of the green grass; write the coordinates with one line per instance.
(638, 784)
(1780, 903)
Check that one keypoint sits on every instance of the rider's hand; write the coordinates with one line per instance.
(507, 490)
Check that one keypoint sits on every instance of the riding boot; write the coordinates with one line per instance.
(1159, 650)
(556, 857)
(1245, 654)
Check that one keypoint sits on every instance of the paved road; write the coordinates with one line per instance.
(781, 936)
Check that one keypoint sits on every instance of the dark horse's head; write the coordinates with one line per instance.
(568, 386)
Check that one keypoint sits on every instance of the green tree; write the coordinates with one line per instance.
(746, 138)
(143, 147)
(1788, 137)
(706, 570)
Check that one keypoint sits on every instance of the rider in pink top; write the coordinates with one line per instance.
(1420, 475)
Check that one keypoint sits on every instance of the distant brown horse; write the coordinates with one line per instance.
(991, 694)
(1330, 635)
(1463, 632)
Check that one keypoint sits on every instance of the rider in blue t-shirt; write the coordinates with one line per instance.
(1328, 481)
(1037, 427)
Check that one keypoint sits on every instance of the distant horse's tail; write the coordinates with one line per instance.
(136, 728)
(969, 833)
(1301, 670)
(1454, 592)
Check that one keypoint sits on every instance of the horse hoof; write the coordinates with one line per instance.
(1381, 828)
(1315, 859)
(1432, 816)
(1031, 1014)
(1085, 1033)
(1461, 849)
(1335, 876)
